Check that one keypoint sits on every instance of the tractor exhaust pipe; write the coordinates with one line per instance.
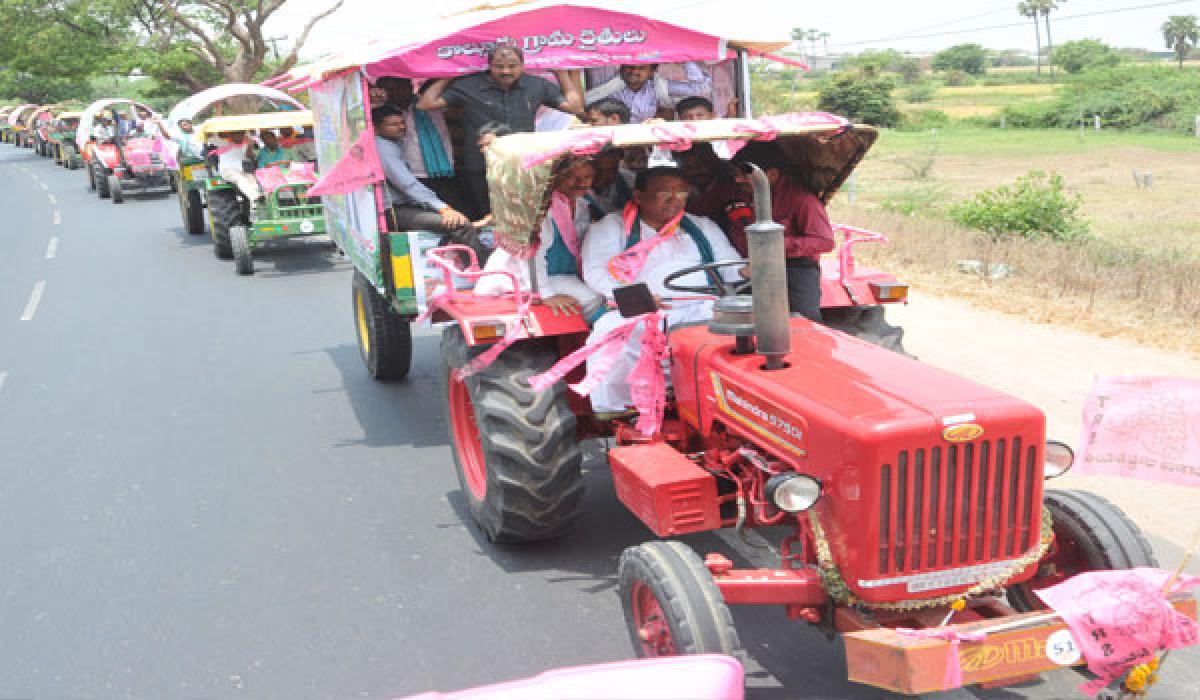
(768, 275)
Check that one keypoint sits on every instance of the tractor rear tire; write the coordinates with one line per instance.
(225, 212)
(672, 605)
(101, 179)
(384, 337)
(515, 450)
(867, 323)
(1090, 534)
(191, 206)
(91, 176)
(115, 189)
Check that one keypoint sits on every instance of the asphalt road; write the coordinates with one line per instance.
(203, 495)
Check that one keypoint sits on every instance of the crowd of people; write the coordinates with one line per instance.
(623, 216)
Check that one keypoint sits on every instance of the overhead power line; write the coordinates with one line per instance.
(1010, 25)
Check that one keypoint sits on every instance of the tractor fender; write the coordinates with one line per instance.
(484, 319)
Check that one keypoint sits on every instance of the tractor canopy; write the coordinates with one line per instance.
(15, 116)
(255, 122)
(260, 95)
(821, 149)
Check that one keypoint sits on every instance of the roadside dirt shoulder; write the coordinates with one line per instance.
(1053, 368)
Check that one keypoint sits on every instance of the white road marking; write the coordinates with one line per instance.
(34, 299)
(3, 376)
(44, 185)
(52, 248)
(53, 199)
(57, 217)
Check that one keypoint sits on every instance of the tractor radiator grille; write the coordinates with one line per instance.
(957, 505)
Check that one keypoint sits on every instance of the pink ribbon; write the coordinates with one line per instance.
(626, 266)
(647, 384)
(953, 677)
(563, 215)
(676, 136)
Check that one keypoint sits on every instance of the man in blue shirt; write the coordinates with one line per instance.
(411, 205)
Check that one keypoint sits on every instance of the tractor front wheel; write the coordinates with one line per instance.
(101, 179)
(239, 242)
(867, 323)
(515, 449)
(384, 337)
(91, 176)
(1090, 534)
(115, 189)
(672, 605)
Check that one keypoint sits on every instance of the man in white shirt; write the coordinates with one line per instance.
(650, 95)
(232, 148)
(660, 195)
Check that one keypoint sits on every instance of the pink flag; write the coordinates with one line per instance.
(1120, 619)
(359, 166)
(1143, 427)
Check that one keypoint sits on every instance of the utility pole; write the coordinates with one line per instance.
(274, 45)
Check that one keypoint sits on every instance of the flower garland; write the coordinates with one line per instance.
(837, 588)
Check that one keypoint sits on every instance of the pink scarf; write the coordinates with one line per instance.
(626, 266)
(561, 212)
(953, 676)
(647, 384)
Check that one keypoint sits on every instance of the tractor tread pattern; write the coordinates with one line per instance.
(226, 213)
(389, 334)
(535, 484)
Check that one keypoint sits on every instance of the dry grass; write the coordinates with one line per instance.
(1094, 287)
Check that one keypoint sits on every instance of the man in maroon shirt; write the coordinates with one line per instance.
(807, 232)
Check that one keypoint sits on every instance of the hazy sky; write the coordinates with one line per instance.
(918, 25)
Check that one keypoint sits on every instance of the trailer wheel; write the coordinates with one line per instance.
(515, 450)
(867, 323)
(384, 337)
(191, 206)
(115, 189)
(224, 212)
(101, 178)
(1090, 534)
(243, 258)
(672, 605)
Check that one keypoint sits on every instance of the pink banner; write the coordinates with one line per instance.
(273, 177)
(553, 37)
(1120, 619)
(356, 169)
(1143, 427)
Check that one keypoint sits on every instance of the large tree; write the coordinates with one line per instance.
(1182, 33)
(193, 44)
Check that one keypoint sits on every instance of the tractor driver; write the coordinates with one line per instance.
(671, 240)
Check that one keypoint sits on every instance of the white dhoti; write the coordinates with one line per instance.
(245, 182)
(612, 392)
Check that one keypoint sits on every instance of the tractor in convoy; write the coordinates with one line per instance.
(895, 496)
(189, 178)
(270, 204)
(119, 159)
(60, 138)
(19, 121)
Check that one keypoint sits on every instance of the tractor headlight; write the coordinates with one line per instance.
(1059, 458)
(793, 492)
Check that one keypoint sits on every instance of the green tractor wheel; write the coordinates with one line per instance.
(224, 212)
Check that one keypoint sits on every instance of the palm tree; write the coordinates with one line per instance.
(1182, 33)
(1046, 7)
(1030, 8)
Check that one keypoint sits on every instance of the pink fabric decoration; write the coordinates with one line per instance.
(628, 265)
(676, 136)
(953, 677)
(358, 167)
(646, 380)
(563, 215)
(169, 151)
(1122, 618)
(583, 142)
(274, 177)
(1143, 427)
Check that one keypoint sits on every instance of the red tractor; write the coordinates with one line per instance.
(908, 497)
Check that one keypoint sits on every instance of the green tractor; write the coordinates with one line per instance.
(60, 139)
(190, 185)
(250, 206)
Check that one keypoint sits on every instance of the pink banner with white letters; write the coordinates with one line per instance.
(551, 38)
(1143, 427)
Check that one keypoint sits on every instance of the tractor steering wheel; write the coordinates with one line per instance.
(717, 286)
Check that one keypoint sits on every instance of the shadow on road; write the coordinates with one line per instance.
(186, 240)
(406, 412)
(296, 257)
